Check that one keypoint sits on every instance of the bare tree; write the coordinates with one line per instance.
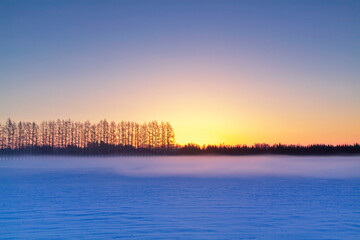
(34, 135)
(144, 135)
(163, 135)
(27, 134)
(52, 133)
(137, 135)
(112, 133)
(10, 132)
(60, 135)
(20, 137)
(2, 136)
(87, 128)
(170, 136)
(118, 134)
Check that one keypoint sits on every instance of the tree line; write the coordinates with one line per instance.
(263, 148)
(67, 136)
(127, 137)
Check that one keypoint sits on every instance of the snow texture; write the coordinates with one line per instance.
(263, 197)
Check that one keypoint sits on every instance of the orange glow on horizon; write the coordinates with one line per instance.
(203, 108)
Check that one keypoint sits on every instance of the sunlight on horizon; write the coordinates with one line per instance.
(236, 73)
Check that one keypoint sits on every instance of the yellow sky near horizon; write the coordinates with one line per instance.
(210, 110)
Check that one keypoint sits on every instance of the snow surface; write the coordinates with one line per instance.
(213, 197)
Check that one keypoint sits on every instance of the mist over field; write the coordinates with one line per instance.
(201, 166)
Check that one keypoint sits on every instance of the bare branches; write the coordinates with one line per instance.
(67, 136)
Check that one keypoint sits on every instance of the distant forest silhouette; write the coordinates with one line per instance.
(130, 138)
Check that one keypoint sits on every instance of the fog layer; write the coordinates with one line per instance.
(204, 166)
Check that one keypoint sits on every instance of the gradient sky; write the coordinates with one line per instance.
(220, 71)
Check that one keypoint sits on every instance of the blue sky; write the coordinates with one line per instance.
(115, 59)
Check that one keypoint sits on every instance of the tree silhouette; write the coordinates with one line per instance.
(69, 137)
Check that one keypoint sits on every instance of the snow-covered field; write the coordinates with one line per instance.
(262, 197)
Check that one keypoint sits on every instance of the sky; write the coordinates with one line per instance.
(232, 72)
